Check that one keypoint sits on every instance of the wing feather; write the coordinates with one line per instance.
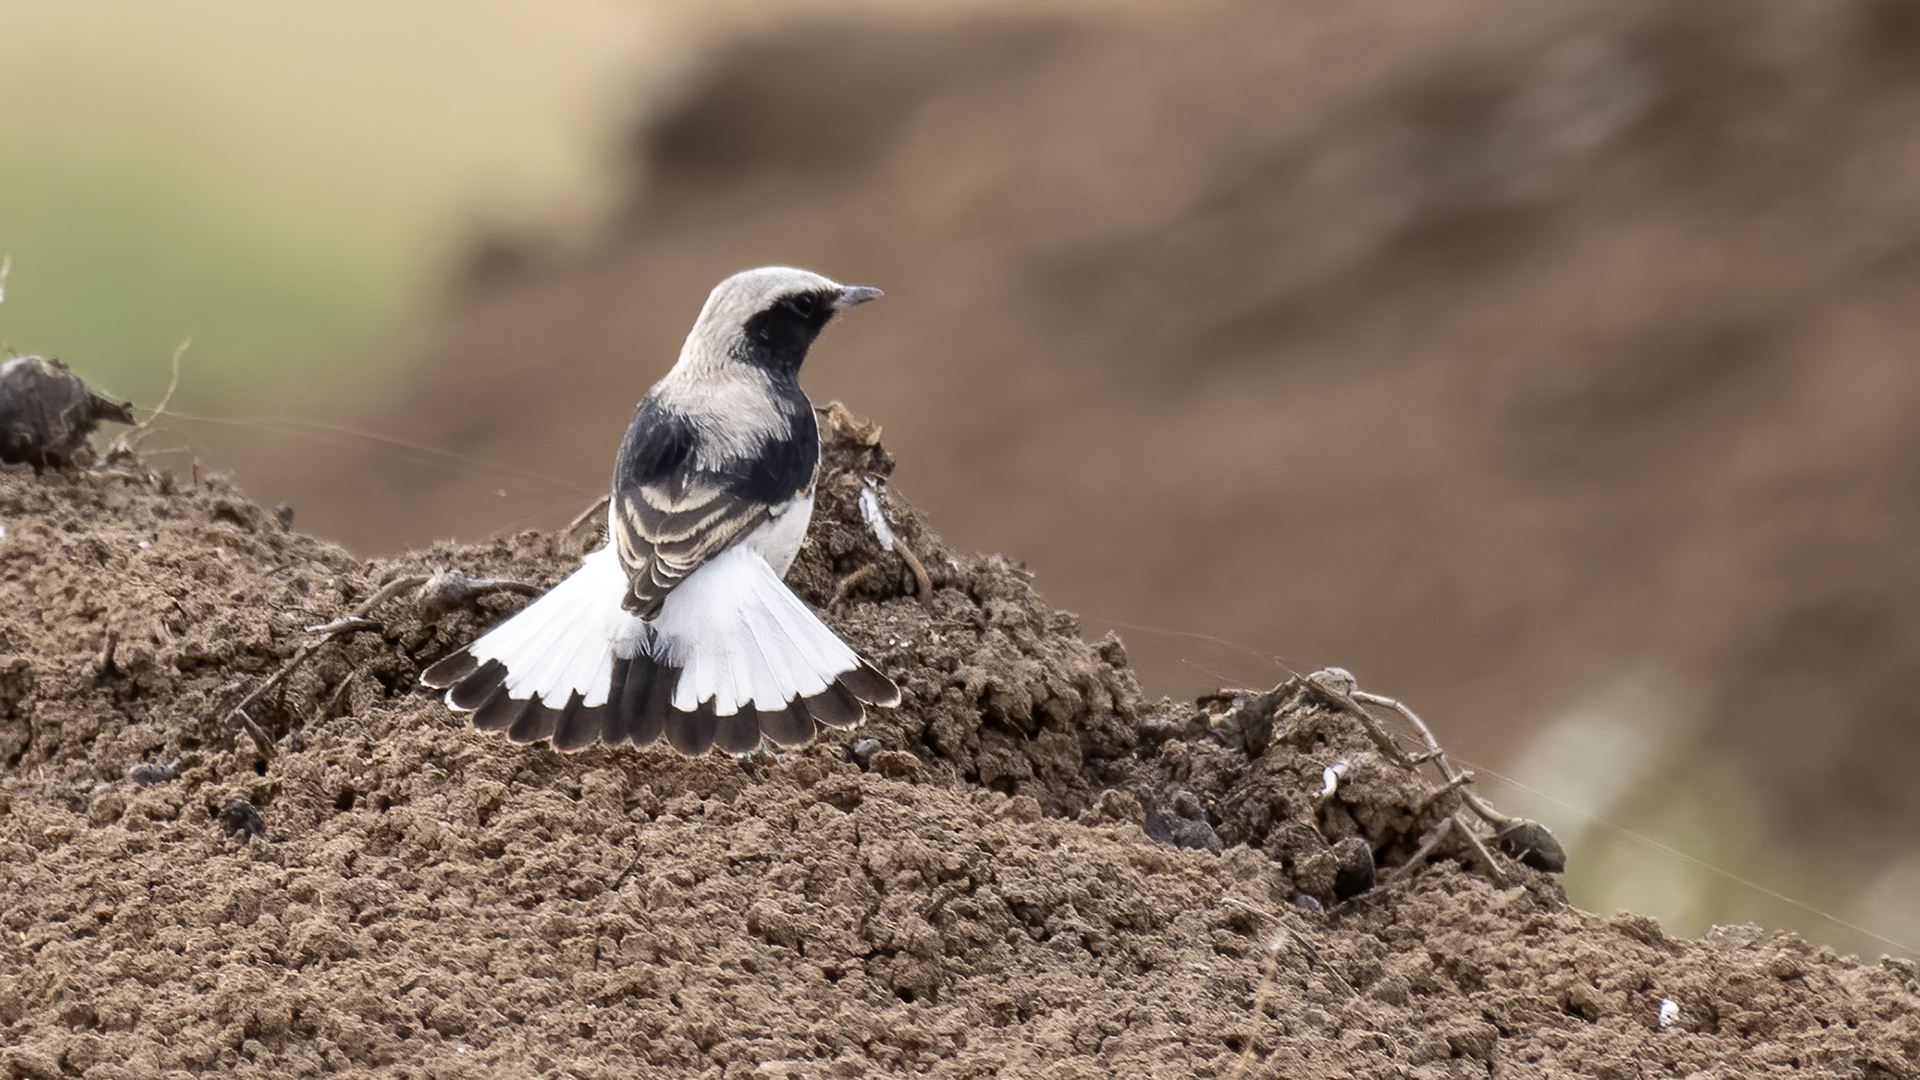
(671, 513)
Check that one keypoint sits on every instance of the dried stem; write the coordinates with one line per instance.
(852, 581)
(1321, 683)
(128, 441)
(599, 507)
(440, 588)
(1453, 777)
(920, 579)
(1528, 841)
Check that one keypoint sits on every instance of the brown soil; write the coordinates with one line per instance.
(1496, 350)
(389, 892)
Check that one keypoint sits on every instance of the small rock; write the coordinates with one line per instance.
(1183, 832)
(1533, 845)
(149, 773)
(1784, 966)
(1314, 874)
(107, 807)
(1392, 988)
(1114, 806)
(1022, 808)
(896, 765)
(32, 1063)
(1353, 871)
(1161, 727)
(239, 816)
(1475, 1039)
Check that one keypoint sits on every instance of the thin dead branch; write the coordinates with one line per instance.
(922, 582)
(854, 579)
(598, 507)
(129, 441)
(1525, 840)
(436, 592)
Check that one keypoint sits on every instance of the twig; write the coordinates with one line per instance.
(1454, 784)
(1277, 941)
(1428, 846)
(1320, 964)
(338, 701)
(1320, 683)
(1294, 936)
(126, 442)
(1485, 857)
(442, 588)
(1450, 825)
(599, 507)
(621, 878)
(920, 578)
(852, 581)
(1528, 841)
(386, 592)
(255, 732)
(344, 624)
(447, 589)
(238, 714)
(1268, 980)
(1453, 777)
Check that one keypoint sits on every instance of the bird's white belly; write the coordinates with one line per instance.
(778, 539)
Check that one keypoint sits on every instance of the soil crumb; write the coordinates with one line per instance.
(1025, 870)
(47, 413)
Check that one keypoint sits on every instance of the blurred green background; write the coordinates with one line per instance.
(287, 185)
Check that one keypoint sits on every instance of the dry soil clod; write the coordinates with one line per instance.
(241, 818)
(47, 413)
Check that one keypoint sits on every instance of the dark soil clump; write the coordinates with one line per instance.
(47, 413)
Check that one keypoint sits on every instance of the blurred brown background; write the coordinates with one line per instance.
(1546, 364)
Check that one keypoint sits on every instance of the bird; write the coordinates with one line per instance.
(682, 625)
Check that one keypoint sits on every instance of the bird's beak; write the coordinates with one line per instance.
(855, 294)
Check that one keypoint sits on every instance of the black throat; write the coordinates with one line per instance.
(776, 340)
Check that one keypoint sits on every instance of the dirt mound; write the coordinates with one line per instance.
(1400, 335)
(966, 886)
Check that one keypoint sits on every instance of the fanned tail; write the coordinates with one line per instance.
(547, 672)
(732, 657)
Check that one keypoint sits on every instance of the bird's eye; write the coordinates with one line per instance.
(802, 304)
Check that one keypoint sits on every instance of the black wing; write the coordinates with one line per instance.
(670, 515)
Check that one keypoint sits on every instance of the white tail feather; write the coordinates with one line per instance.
(742, 638)
(738, 634)
(564, 641)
